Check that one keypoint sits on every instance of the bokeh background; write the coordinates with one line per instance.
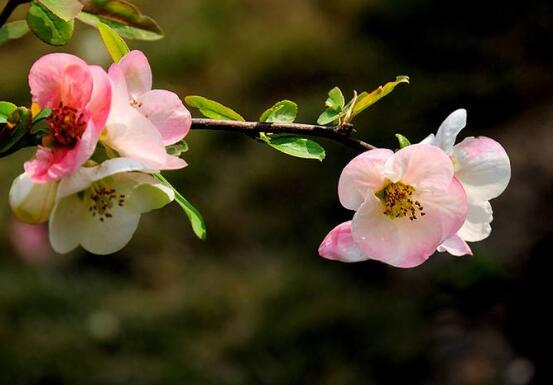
(254, 304)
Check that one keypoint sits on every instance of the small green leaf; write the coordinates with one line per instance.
(296, 146)
(403, 141)
(177, 149)
(43, 114)
(284, 111)
(64, 9)
(196, 219)
(48, 27)
(6, 108)
(21, 117)
(335, 99)
(115, 45)
(123, 17)
(212, 109)
(365, 99)
(328, 117)
(13, 30)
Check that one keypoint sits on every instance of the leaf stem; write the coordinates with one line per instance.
(340, 134)
(11, 5)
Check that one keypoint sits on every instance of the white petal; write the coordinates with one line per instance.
(149, 194)
(449, 129)
(66, 224)
(32, 202)
(455, 246)
(112, 234)
(86, 176)
(430, 139)
(483, 167)
(363, 175)
(477, 225)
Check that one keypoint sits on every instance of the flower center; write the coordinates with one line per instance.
(397, 199)
(102, 200)
(67, 125)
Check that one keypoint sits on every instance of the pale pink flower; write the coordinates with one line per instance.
(143, 121)
(30, 241)
(80, 97)
(483, 168)
(406, 204)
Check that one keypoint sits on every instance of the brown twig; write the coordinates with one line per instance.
(11, 5)
(341, 134)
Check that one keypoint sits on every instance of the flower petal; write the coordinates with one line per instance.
(404, 243)
(149, 194)
(477, 225)
(483, 167)
(134, 136)
(86, 176)
(455, 246)
(362, 176)
(449, 129)
(100, 100)
(423, 166)
(166, 111)
(137, 72)
(66, 224)
(32, 202)
(111, 235)
(46, 78)
(338, 245)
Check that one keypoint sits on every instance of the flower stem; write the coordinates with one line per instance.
(9, 8)
(340, 133)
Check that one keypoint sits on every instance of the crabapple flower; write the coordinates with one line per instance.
(99, 207)
(79, 96)
(406, 204)
(143, 121)
(32, 202)
(483, 168)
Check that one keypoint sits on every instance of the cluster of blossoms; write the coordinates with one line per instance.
(90, 197)
(92, 175)
(425, 197)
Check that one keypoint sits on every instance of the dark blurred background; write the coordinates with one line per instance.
(255, 304)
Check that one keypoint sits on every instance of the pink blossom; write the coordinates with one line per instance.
(144, 121)
(484, 170)
(406, 204)
(80, 97)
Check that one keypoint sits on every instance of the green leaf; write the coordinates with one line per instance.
(115, 45)
(6, 108)
(196, 219)
(212, 109)
(177, 149)
(295, 146)
(21, 117)
(403, 141)
(43, 114)
(123, 17)
(365, 99)
(13, 30)
(335, 99)
(64, 9)
(284, 111)
(329, 116)
(48, 27)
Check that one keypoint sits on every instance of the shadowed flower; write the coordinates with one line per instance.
(80, 97)
(143, 121)
(32, 202)
(483, 168)
(99, 207)
(406, 204)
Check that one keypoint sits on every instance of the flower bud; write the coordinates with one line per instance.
(32, 202)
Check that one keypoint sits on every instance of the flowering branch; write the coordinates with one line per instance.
(9, 8)
(340, 133)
